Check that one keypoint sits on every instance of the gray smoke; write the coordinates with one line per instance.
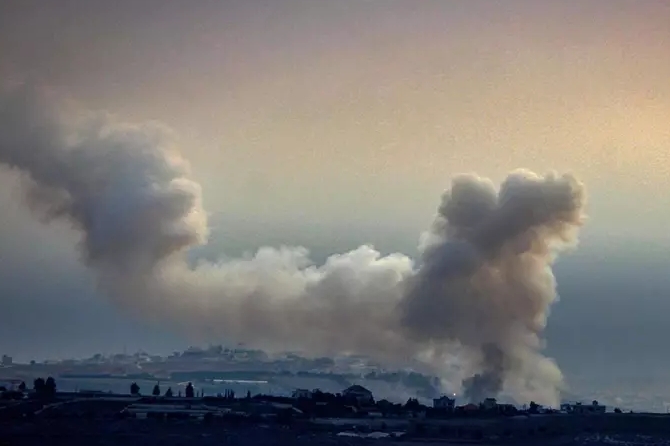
(481, 292)
(489, 381)
(486, 281)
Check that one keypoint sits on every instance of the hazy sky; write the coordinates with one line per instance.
(334, 123)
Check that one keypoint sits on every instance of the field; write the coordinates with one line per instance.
(154, 433)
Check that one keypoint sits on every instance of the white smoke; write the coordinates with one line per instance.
(483, 285)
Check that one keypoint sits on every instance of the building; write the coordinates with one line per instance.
(444, 403)
(579, 408)
(470, 407)
(489, 404)
(6, 360)
(358, 393)
(174, 410)
(302, 393)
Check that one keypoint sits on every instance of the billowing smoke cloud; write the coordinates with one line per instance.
(486, 281)
(482, 288)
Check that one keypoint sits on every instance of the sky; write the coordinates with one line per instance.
(332, 124)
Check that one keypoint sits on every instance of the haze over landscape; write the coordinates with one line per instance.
(332, 126)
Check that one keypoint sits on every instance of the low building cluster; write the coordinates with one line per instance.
(579, 408)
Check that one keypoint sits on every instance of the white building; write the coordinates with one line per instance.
(6, 360)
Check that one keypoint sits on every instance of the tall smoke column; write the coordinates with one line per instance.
(483, 287)
(486, 279)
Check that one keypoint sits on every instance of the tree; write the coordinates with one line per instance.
(412, 404)
(189, 390)
(157, 390)
(50, 386)
(38, 386)
(168, 392)
(22, 386)
(134, 389)
(318, 395)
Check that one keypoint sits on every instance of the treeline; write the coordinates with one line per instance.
(42, 388)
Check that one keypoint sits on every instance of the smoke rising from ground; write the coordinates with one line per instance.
(482, 287)
(485, 277)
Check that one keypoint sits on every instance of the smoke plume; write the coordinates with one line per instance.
(481, 289)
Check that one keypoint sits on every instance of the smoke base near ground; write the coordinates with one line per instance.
(478, 295)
